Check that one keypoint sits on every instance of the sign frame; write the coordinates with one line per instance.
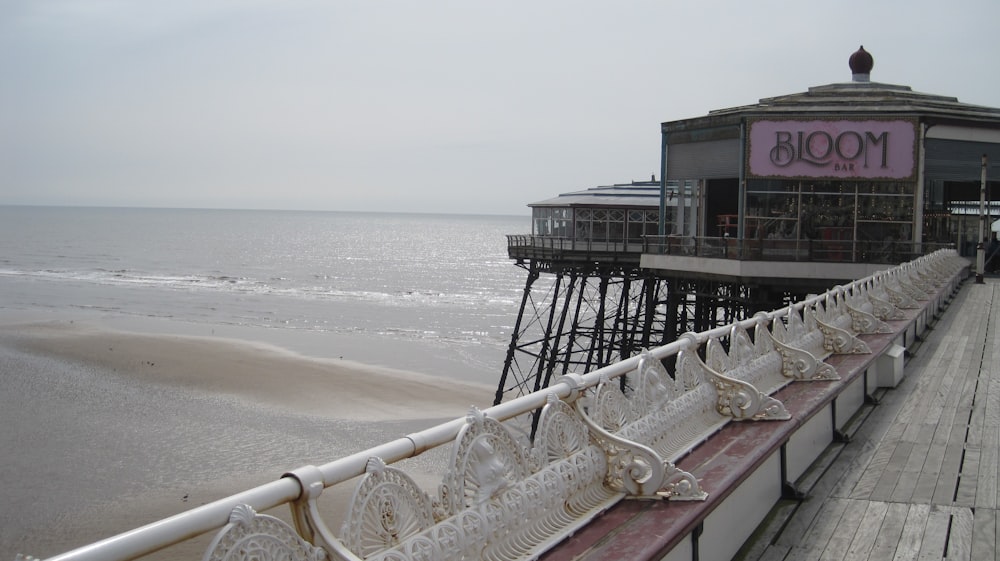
(861, 148)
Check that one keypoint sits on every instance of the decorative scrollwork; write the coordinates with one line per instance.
(654, 386)
(864, 322)
(735, 398)
(841, 341)
(679, 485)
(258, 537)
(485, 460)
(387, 508)
(899, 298)
(884, 309)
(799, 364)
(561, 432)
(716, 356)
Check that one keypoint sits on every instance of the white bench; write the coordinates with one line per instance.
(881, 305)
(761, 362)
(902, 286)
(497, 501)
(669, 417)
(853, 312)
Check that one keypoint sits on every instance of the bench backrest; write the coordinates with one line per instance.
(497, 499)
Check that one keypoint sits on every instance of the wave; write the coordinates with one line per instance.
(278, 286)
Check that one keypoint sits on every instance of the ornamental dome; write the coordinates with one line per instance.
(861, 63)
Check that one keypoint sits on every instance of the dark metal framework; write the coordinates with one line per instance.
(579, 316)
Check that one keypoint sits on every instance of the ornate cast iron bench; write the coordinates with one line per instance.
(819, 331)
(498, 500)
(760, 362)
(901, 287)
(664, 418)
(871, 297)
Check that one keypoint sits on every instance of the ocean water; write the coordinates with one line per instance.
(428, 293)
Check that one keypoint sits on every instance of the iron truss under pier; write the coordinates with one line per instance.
(577, 316)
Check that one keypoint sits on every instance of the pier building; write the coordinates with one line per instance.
(756, 206)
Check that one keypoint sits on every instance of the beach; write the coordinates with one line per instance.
(106, 430)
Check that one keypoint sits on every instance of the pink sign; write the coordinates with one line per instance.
(873, 149)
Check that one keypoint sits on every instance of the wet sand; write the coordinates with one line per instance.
(104, 431)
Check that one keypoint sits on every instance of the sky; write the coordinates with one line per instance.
(421, 106)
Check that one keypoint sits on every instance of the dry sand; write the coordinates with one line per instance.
(104, 431)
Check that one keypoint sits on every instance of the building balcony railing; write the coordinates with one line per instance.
(804, 250)
(528, 246)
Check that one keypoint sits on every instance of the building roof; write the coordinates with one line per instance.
(644, 194)
(858, 96)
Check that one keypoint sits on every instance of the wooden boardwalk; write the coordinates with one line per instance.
(920, 476)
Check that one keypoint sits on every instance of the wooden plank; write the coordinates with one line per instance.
(935, 535)
(997, 540)
(986, 477)
(913, 532)
(891, 472)
(968, 479)
(903, 493)
(960, 536)
(984, 535)
(890, 532)
(919, 436)
(810, 545)
(871, 524)
(977, 414)
(844, 534)
(924, 490)
(872, 472)
(947, 483)
(866, 443)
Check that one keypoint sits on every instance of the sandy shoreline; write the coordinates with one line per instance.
(255, 372)
(105, 430)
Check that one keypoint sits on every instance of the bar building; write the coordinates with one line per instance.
(848, 176)
(756, 206)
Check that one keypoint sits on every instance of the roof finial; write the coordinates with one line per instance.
(861, 63)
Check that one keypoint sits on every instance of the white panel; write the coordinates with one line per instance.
(733, 521)
(807, 443)
(871, 379)
(681, 552)
(849, 401)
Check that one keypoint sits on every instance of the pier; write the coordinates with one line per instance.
(919, 477)
(913, 475)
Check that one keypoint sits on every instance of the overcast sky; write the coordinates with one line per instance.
(422, 106)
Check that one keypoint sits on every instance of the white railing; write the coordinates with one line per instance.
(503, 497)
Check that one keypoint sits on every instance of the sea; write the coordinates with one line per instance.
(429, 293)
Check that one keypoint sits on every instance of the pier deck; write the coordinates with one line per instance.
(919, 477)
